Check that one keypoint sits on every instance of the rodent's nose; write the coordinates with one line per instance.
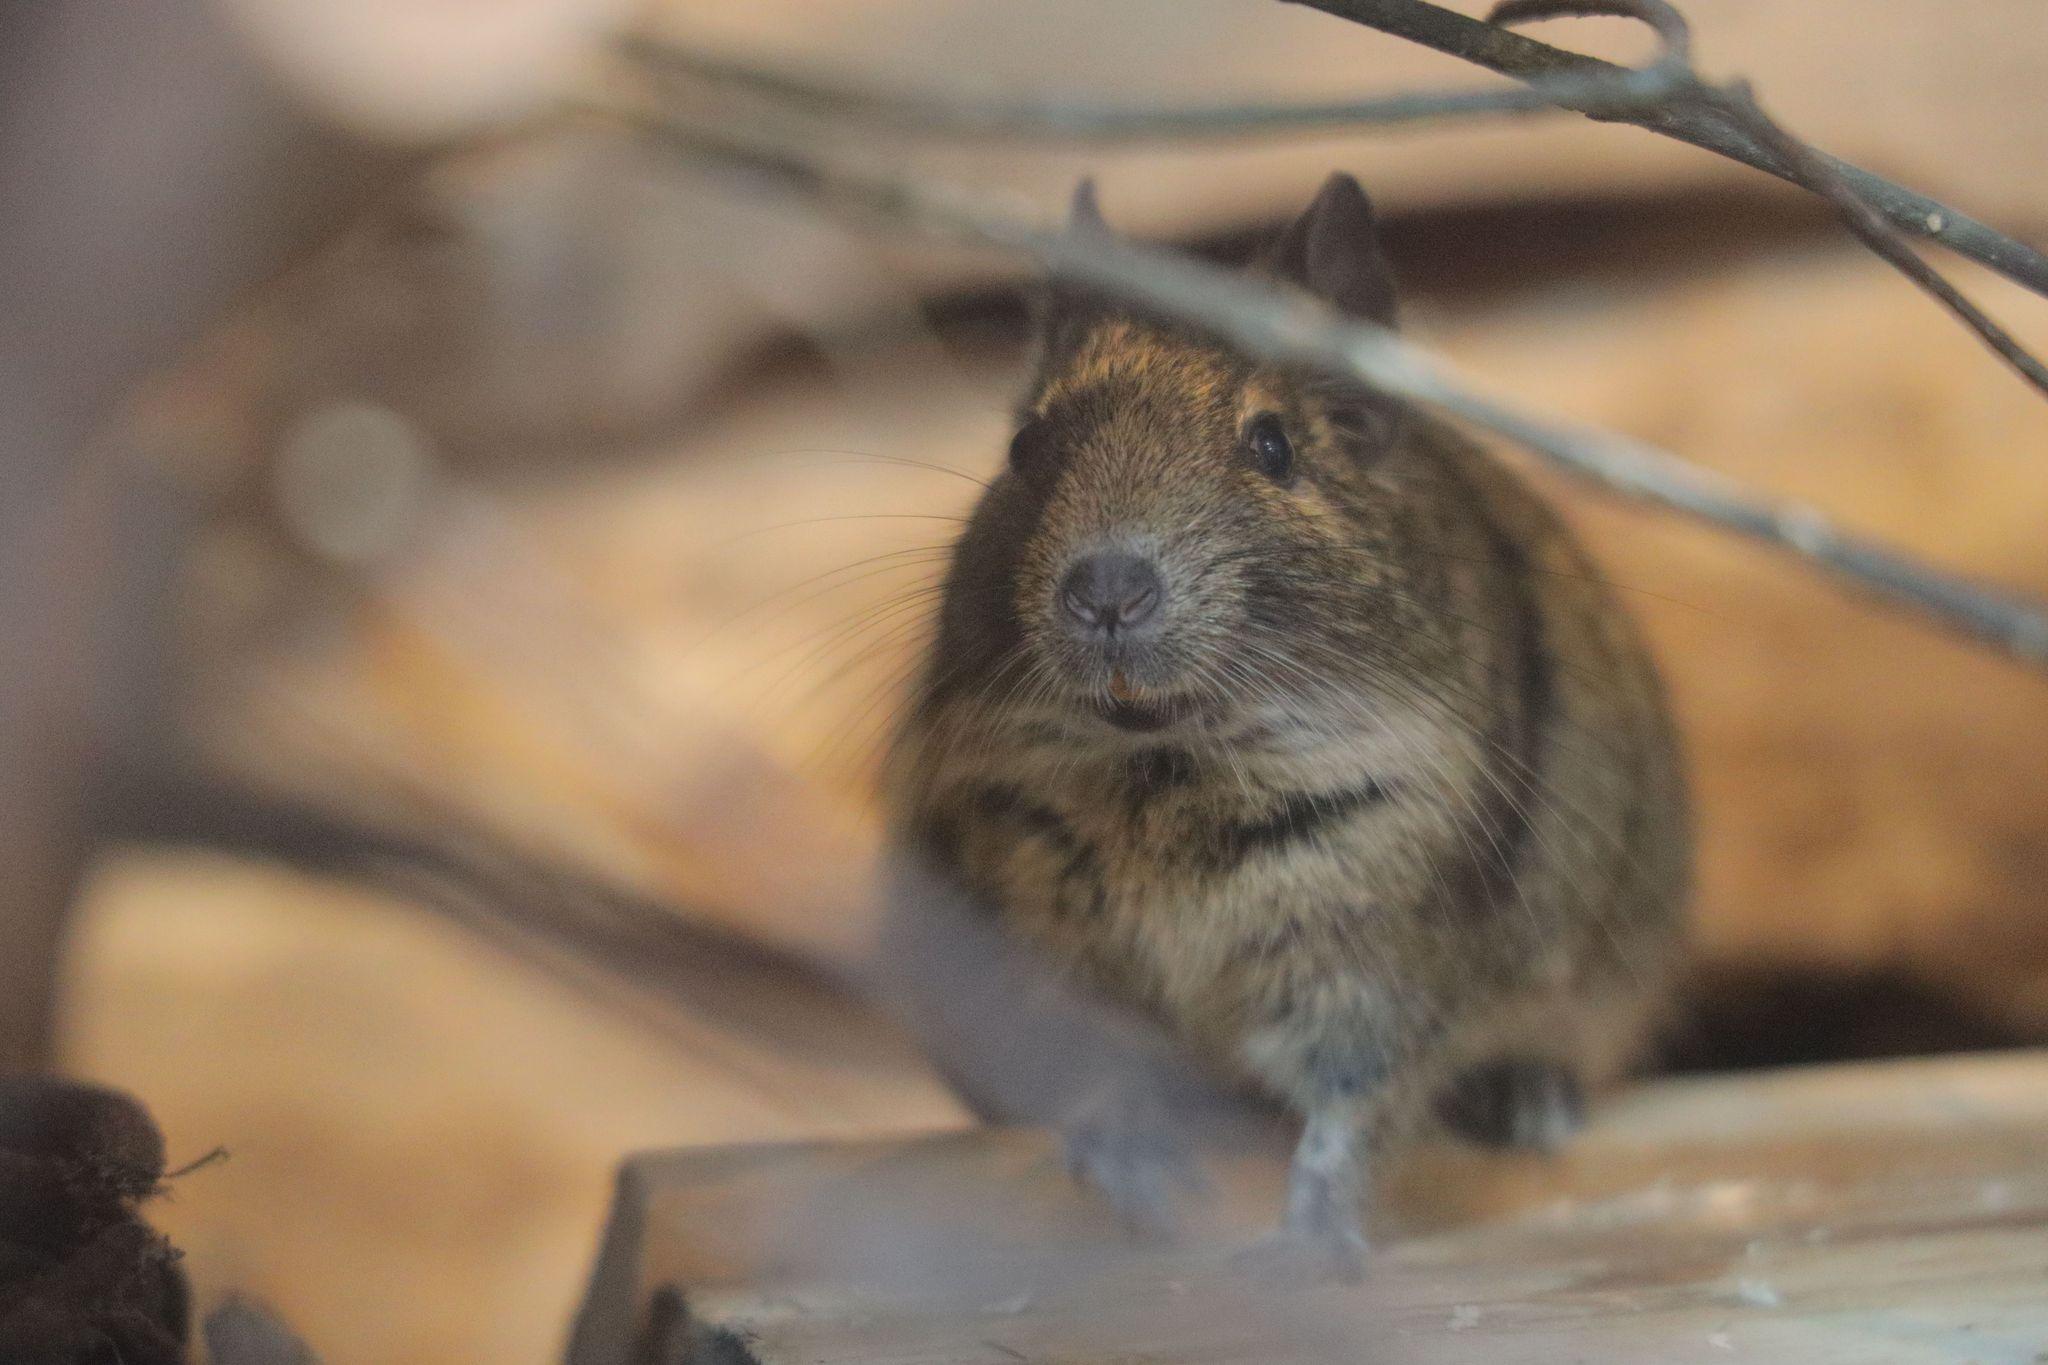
(1110, 594)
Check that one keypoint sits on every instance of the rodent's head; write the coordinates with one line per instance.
(1179, 525)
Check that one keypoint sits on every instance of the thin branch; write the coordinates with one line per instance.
(1268, 322)
(1508, 53)
(1667, 96)
(1613, 91)
(1875, 231)
(1552, 77)
(1802, 165)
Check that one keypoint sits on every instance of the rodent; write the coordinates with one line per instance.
(1288, 717)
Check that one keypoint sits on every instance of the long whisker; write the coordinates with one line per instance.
(873, 564)
(858, 457)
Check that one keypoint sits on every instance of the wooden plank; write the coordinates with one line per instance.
(1894, 1212)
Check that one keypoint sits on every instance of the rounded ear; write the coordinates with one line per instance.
(1084, 214)
(1067, 308)
(1333, 251)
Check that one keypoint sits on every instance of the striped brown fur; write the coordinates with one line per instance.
(1389, 794)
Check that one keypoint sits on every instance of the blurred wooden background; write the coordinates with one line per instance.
(638, 440)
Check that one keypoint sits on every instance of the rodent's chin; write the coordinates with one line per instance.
(1131, 690)
(1140, 710)
(1141, 717)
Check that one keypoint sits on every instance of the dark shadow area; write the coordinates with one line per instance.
(1741, 1017)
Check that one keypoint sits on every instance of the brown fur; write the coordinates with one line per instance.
(1416, 806)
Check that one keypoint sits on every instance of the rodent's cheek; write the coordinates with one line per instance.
(1033, 598)
(1309, 500)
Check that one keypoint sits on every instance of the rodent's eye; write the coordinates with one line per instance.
(1029, 446)
(1270, 450)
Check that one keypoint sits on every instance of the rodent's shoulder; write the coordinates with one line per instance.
(1612, 710)
(1560, 577)
(1496, 491)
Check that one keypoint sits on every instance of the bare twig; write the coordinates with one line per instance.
(1268, 322)
(1875, 231)
(1553, 77)
(1800, 164)
(1666, 95)
(1612, 91)
(1705, 126)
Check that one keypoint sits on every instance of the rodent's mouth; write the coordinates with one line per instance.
(1140, 710)
(1137, 717)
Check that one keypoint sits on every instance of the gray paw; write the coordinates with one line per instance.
(1323, 1236)
(1135, 1163)
(1515, 1103)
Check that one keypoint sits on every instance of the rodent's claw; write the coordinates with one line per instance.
(1140, 1169)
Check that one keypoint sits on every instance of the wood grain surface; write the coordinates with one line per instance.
(1893, 1212)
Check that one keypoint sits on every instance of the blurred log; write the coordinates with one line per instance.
(165, 156)
(156, 173)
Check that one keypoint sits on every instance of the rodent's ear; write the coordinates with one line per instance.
(1333, 251)
(1068, 307)
(1084, 214)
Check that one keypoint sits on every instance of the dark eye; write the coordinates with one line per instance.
(1271, 452)
(1028, 447)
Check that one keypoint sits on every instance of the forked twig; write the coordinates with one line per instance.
(1508, 53)
(1666, 95)
(1613, 90)
(1796, 162)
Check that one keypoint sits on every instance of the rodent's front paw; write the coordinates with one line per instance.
(1129, 1154)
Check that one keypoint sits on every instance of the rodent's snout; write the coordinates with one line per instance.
(1109, 596)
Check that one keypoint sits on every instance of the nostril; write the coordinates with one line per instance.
(1077, 605)
(1140, 601)
(1111, 592)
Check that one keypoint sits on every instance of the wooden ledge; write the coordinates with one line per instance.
(1895, 1212)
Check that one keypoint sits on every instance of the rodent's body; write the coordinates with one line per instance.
(1497, 868)
(1393, 796)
